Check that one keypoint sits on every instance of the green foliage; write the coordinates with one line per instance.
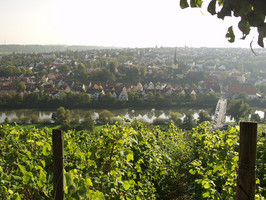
(261, 161)
(255, 117)
(215, 161)
(88, 122)
(105, 117)
(214, 168)
(252, 14)
(62, 116)
(237, 109)
(21, 87)
(26, 163)
(204, 116)
(125, 162)
(188, 122)
(160, 121)
(176, 118)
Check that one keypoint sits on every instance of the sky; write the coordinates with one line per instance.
(116, 23)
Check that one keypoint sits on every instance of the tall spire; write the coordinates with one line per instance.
(175, 60)
(175, 64)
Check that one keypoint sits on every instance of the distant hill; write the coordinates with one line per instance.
(45, 48)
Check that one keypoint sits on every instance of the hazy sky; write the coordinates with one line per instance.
(121, 23)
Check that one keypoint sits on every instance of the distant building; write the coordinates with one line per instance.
(234, 89)
(175, 64)
(123, 95)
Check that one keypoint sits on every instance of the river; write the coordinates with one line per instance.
(147, 115)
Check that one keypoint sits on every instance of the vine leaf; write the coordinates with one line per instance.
(183, 4)
(230, 34)
(255, 19)
(262, 34)
(244, 26)
(195, 3)
(212, 7)
(225, 11)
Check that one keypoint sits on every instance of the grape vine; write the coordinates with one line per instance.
(125, 162)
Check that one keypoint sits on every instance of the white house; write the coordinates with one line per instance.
(123, 95)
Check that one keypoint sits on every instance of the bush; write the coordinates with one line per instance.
(22, 120)
(34, 119)
(161, 121)
(105, 117)
(45, 121)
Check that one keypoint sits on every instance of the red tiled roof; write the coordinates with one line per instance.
(242, 88)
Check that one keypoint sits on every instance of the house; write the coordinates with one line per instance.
(114, 95)
(94, 93)
(139, 87)
(64, 88)
(193, 92)
(78, 88)
(150, 86)
(222, 68)
(58, 95)
(158, 86)
(235, 89)
(238, 77)
(123, 95)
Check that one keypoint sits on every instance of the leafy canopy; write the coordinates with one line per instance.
(251, 12)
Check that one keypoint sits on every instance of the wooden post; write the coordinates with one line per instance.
(246, 180)
(58, 161)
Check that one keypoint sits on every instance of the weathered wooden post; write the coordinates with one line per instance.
(58, 162)
(246, 180)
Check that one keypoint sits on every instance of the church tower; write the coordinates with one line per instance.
(175, 64)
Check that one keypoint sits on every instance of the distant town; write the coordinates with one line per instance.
(158, 76)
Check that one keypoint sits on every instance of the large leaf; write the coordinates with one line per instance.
(195, 3)
(225, 11)
(230, 34)
(262, 34)
(212, 7)
(183, 4)
(241, 9)
(244, 26)
(255, 19)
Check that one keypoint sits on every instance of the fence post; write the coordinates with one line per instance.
(58, 162)
(246, 180)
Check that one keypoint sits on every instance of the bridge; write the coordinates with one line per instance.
(219, 116)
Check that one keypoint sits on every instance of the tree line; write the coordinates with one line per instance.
(83, 100)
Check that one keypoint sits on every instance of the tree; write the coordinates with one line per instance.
(255, 117)
(203, 116)
(81, 67)
(21, 86)
(132, 74)
(238, 109)
(62, 116)
(34, 119)
(106, 99)
(7, 121)
(32, 99)
(188, 122)
(112, 65)
(76, 119)
(88, 122)
(103, 75)
(105, 116)
(176, 118)
(64, 68)
(251, 12)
